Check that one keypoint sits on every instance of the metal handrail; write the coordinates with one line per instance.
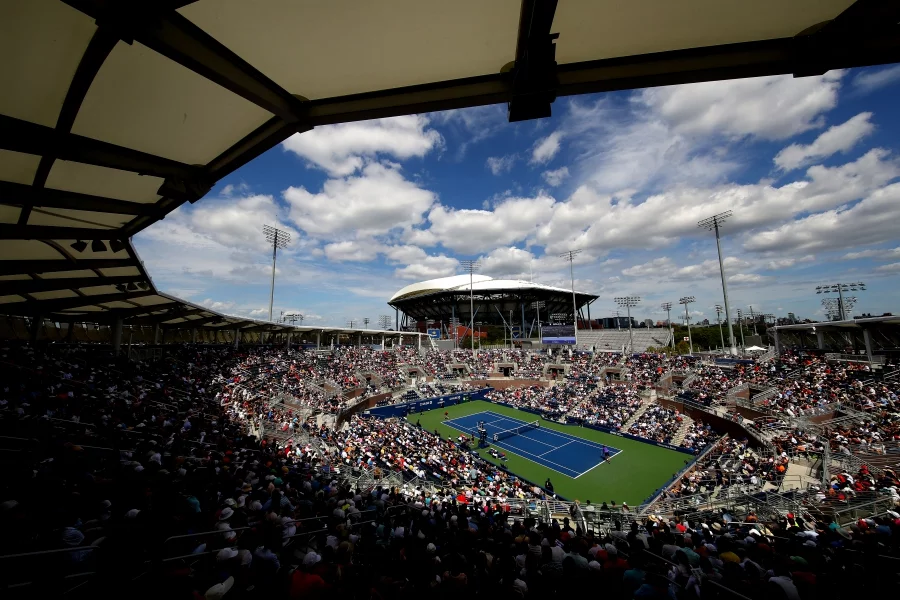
(53, 551)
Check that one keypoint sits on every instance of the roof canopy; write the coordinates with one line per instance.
(115, 113)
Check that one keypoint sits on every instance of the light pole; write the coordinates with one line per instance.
(667, 306)
(753, 318)
(278, 239)
(719, 321)
(351, 323)
(840, 288)
(470, 266)
(628, 302)
(687, 318)
(538, 305)
(366, 323)
(570, 256)
(384, 321)
(712, 224)
(740, 319)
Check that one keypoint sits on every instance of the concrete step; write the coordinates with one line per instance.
(645, 404)
(682, 431)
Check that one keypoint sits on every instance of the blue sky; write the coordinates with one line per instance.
(808, 166)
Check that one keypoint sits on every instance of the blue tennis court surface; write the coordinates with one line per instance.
(555, 450)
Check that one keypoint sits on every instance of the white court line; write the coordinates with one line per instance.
(535, 458)
(558, 447)
(527, 437)
(598, 464)
(564, 435)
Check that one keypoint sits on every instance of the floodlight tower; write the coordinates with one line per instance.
(687, 318)
(740, 318)
(384, 321)
(278, 239)
(840, 288)
(537, 305)
(366, 322)
(470, 266)
(628, 302)
(667, 306)
(719, 321)
(712, 224)
(570, 255)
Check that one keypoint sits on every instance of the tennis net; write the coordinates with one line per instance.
(500, 435)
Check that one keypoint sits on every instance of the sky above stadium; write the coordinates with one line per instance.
(809, 167)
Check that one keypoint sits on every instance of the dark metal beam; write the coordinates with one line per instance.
(27, 286)
(26, 196)
(94, 56)
(534, 71)
(175, 313)
(267, 327)
(50, 232)
(270, 134)
(731, 61)
(193, 323)
(22, 267)
(166, 31)
(30, 138)
(48, 307)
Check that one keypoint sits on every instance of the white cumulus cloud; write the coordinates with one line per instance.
(376, 201)
(342, 150)
(429, 267)
(501, 164)
(555, 177)
(873, 79)
(839, 138)
(773, 108)
(545, 149)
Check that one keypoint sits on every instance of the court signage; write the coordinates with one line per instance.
(399, 410)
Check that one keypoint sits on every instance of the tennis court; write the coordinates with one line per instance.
(561, 452)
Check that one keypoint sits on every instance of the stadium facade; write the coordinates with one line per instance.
(521, 305)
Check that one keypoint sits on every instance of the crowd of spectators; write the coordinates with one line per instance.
(121, 462)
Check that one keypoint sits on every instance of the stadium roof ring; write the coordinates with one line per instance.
(447, 298)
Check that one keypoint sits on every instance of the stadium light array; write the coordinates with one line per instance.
(712, 224)
(667, 306)
(278, 239)
(570, 255)
(628, 302)
(719, 321)
(840, 288)
(470, 266)
(687, 318)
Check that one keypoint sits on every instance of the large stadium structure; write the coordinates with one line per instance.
(505, 302)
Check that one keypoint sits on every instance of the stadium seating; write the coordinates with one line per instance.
(211, 473)
(614, 340)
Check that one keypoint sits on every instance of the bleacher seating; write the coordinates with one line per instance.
(614, 340)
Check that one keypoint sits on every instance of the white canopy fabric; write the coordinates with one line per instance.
(754, 349)
(115, 113)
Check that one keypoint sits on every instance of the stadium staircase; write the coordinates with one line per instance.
(646, 401)
(686, 423)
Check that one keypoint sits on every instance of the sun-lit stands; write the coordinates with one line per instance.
(615, 340)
